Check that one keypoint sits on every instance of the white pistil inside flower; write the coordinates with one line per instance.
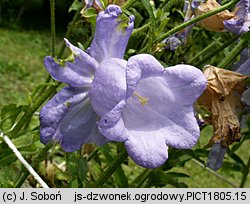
(143, 100)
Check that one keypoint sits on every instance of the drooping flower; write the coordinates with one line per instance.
(68, 117)
(146, 106)
(222, 98)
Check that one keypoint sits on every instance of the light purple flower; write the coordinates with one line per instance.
(68, 117)
(173, 43)
(241, 22)
(147, 107)
(216, 156)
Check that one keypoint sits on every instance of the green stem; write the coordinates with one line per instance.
(245, 174)
(69, 31)
(216, 51)
(25, 172)
(137, 183)
(111, 168)
(52, 27)
(233, 54)
(196, 19)
(152, 28)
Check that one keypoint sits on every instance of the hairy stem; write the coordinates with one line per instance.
(196, 19)
(52, 27)
(233, 54)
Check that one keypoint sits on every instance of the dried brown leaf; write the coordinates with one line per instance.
(222, 98)
(215, 22)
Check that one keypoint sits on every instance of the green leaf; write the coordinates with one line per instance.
(75, 6)
(237, 159)
(82, 167)
(152, 19)
(90, 15)
(25, 140)
(232, 166)
(159, 178)
(178, 175)
(119, 175)
(9, 114)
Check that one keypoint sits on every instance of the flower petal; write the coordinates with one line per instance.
(216, 156)
(241, 22)
(141, 66)
(78, 73)
(187, 82)
(147, 150)
(111, 125)
(69, 119)
(112, 33)
(109, 85)
(168, 98)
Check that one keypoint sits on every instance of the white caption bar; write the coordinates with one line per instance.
(124, 195)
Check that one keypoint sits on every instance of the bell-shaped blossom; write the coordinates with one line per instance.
(147, 107)
(69, 117)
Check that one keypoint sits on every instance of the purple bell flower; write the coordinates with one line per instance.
(69, 117)
(241, 22)
(147, 107)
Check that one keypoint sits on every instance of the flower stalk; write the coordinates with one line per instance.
(233, 54)
(52, 27)
(121, 157)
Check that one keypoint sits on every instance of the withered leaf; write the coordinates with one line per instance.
(215, 22)
(222, 98)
